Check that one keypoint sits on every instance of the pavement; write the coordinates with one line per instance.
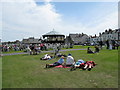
(42, 52)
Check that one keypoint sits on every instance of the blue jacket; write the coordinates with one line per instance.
(61, 60)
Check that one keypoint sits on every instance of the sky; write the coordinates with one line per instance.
(32, 18)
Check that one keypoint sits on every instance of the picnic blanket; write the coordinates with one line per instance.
(60, 66)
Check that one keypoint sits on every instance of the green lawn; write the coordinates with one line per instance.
(27, 71)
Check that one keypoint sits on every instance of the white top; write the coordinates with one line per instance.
(70, 60)
(46, 56)
(110, 47)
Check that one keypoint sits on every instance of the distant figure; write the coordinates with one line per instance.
(117, 45)
(89, 50)
(55, 50)
(96, 49)
(113, 44)
(101, 43)
(32, 49)
(59, 47)
(110, 45)
(60, 54)
(107, 43)
(41, 46)
(28, 50)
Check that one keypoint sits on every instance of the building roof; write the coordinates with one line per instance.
(110, 31)
(77, 38)
(31, 40)
(53, 33)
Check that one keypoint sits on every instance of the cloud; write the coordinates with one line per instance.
(28, 17)
(103, 23)
(48, 1)
(24, 18)
(95, 27)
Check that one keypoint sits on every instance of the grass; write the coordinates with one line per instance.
(27, 71)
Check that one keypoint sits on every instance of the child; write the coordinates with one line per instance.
(88, 65)
(78, 64)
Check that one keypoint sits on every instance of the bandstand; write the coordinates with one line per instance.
(54, 37)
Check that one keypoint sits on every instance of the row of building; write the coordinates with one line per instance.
(106, 35)
(55, 37)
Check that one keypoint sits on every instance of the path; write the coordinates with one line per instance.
(42, 52)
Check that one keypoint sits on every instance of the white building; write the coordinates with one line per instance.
(104, 36)
(110, 35)
(94, 40)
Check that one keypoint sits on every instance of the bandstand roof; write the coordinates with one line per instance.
(53, 33)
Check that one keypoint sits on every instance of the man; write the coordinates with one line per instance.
(59, 62)
(70, 60)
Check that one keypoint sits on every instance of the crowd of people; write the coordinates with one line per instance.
(7, 48)
(35, 49)
(111, 44)
(27, 47)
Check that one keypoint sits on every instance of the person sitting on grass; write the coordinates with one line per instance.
(78, 64)
(89, 50)
(96, 49)
(69, 61)
(59, 62)
(88, 65)
(46, 57)
(60, 54)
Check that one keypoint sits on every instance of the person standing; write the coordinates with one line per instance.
(117, 45)
(107, 43)
(110, 44)
(101, 43)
